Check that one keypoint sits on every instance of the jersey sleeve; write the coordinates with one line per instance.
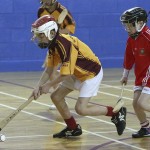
(128, 57)
(52, 60)
(68, 22)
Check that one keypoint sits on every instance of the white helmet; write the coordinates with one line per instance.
(45, 24)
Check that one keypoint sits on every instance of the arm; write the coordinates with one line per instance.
(45, 88)
(68, 25)
(128, 63)
(54, 75)
(57, 80)
(44, 78)
(124, 78)
(64, 31)
(128, 56)
(66, 70)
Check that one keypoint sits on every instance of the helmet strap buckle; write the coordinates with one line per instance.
(139, 26)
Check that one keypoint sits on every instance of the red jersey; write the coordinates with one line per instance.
(138, 54)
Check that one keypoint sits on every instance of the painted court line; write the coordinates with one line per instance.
(116, 81)
(117, 87)
(100, 120)
(130, 99)
(89, 132)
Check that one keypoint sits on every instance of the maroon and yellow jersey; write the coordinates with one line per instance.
(68, 22)
(75, 56)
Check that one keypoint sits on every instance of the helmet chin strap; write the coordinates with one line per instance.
(138, 27)
(52, 44)
(138, 30)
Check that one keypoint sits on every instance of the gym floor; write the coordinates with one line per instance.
(32, 128)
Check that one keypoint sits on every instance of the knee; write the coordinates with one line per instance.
(141, 104)
(79, 110)
(136, 104)
(54, 97)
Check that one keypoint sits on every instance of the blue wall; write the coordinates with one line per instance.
(97, 22)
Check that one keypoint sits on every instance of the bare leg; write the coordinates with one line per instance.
(139, 112)
(72, 128)
(55, 74)
(140, 104)
(84, 109)
(144, 102)
(58, 98)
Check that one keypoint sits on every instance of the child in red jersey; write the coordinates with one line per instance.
(138, 54)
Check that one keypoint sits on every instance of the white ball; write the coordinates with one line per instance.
(2, 137)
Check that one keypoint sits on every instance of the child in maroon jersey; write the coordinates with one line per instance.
(54, 8)
(80, 70)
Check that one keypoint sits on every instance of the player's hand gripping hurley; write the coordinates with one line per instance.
(4, 122)
(120, 101)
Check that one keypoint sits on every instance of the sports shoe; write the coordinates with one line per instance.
(52, 107)
(120, 120)
(68, 132)
(143, 132)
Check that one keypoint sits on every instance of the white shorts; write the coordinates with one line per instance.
(88, 88)
(145, 90)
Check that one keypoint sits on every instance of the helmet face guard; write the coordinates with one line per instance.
(133, 16)
(37, 39)
(44, 30)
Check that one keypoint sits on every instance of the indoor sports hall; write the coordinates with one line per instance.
(98, 25)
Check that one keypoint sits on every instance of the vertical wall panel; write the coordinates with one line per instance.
(97, 24)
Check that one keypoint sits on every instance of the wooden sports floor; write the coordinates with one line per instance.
(32, 129)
